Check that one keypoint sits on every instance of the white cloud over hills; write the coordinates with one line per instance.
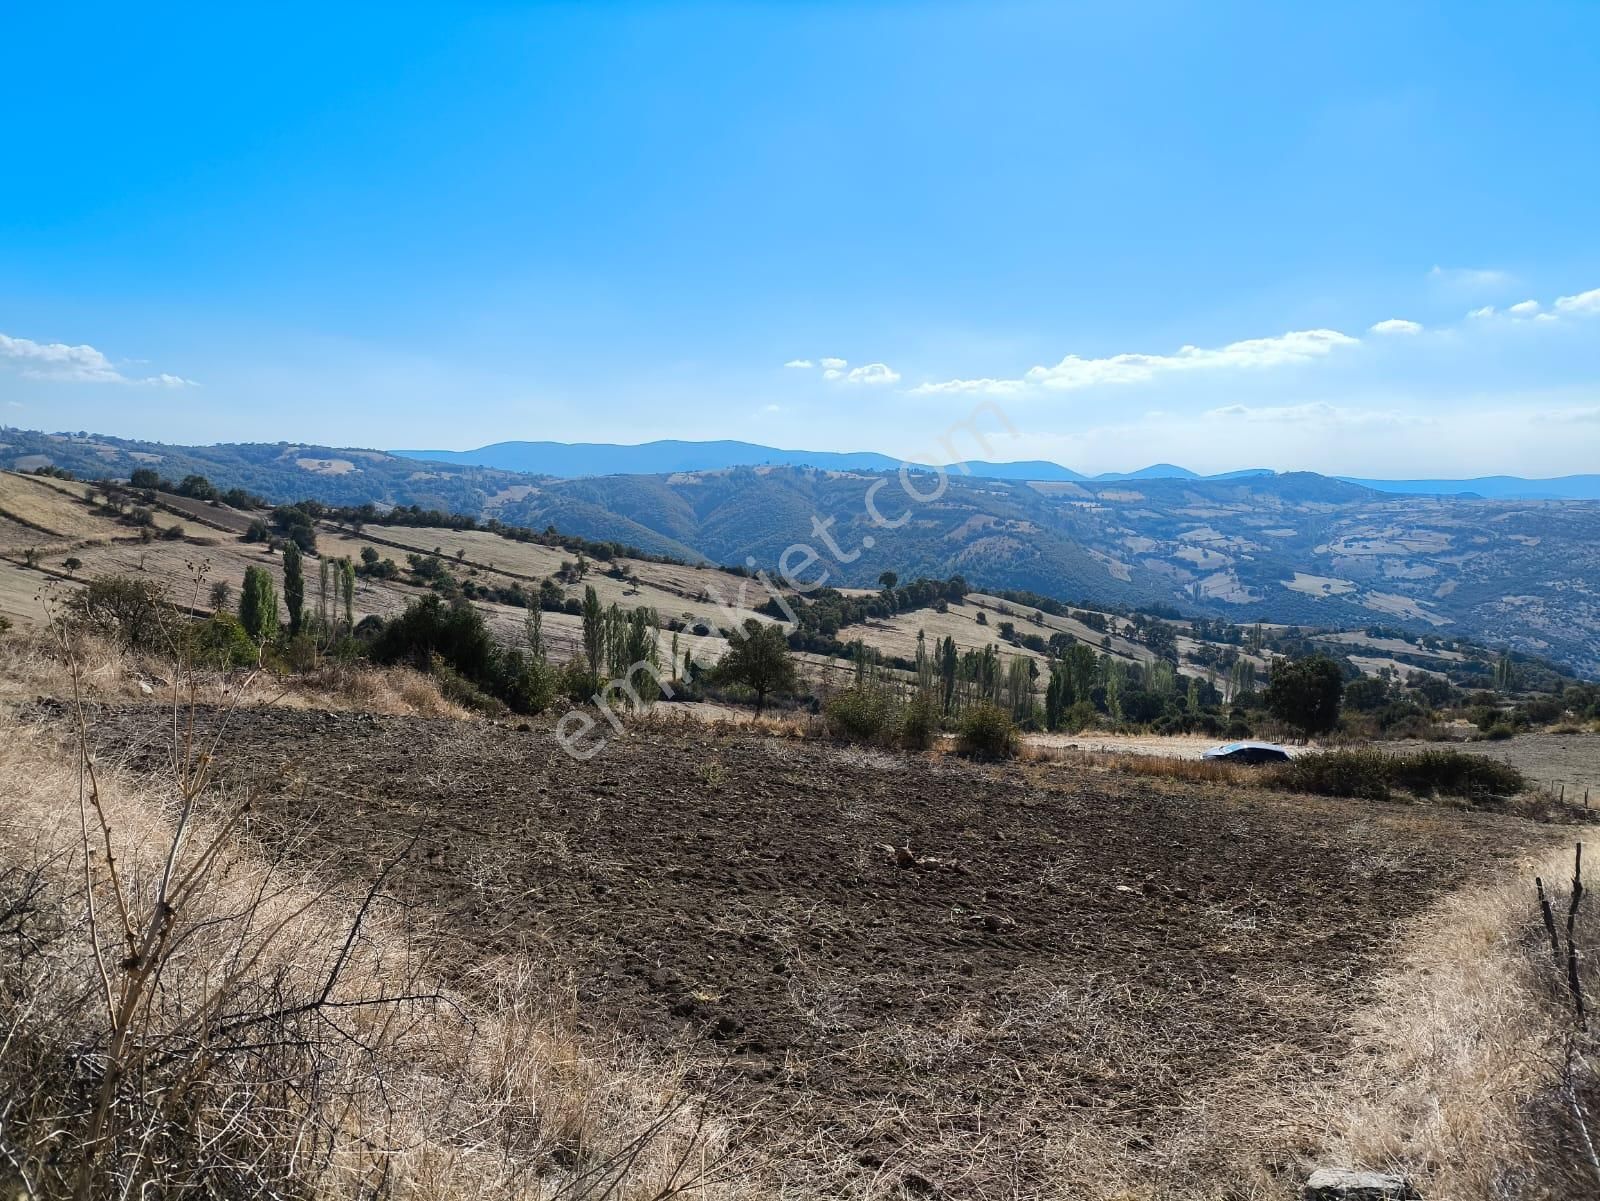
(58, 362)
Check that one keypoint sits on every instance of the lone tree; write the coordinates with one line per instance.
(294, 586)
(258, 605)
(758, 657)
(1305, 693)
(594, 633)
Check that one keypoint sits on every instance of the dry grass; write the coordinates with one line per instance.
(179, 1015)
(33, 663)
(1455, 1078)
(1168, 767)
(49, 505)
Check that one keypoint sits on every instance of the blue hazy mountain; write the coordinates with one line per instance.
(576, 460)
(1494, 487)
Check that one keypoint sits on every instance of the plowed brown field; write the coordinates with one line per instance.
(1066, 951)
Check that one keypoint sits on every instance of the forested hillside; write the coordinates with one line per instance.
(1294, 548)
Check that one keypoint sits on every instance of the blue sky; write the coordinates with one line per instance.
(443, 226)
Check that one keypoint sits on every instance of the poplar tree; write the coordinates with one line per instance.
(594, 632)
(347, 592)
(294, 586)
(258, 605)
(947, 671)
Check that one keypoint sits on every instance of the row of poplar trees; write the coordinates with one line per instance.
(334, 616)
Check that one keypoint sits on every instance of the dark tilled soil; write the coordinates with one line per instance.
(1066, 946)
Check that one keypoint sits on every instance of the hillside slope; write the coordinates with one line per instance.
(1295, 548)
(1290, 548)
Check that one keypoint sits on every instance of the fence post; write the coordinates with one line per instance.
(1549, 920)
(1572, 947)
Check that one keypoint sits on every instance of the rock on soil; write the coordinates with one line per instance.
(1338, 1184)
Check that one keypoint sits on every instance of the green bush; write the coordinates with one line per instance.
(434, 636)
(133, 613)
(1372, 774)
(220, 641)
(1485, 717)
(919, 723)
(573, 681)
(1540, 711)
(1079, 716)
(862, 715)
(456, 688)
(1455, 773)
(527, 684)
(987, 732)
(300, 653)
(1352, 773)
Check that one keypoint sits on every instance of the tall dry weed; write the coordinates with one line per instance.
(181, 1014)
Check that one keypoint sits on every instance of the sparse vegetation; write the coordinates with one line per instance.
(135, 614)
(1373, 774)
(906, 702)
(987, 732)
(758, 659)
(184, 1019)
(861, 715)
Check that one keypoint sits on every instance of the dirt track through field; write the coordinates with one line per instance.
(1070, 947)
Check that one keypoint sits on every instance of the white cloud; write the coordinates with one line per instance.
(1297, 346)
(1317, 413)
(1569, 416)
(986, 387)
(1470, 279)
(58, 362)
(1584, 302)
(840, 371)
(1396, 325)
(1581, 304)
(772, 408)
(873, 373)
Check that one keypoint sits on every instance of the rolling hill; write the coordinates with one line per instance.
(1297, 548)
(1292, 548)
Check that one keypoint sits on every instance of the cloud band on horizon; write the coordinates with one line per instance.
(82, 364)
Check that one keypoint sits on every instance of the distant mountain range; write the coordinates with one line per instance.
(1291, 547)
(576, 460)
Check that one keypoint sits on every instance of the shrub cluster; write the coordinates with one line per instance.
(1374, 774)
(987, 732)
(863, 715)
(878, 717)
(433, 636)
